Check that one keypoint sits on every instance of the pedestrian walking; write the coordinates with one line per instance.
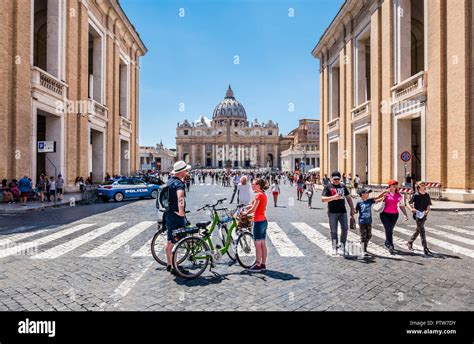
(300, 188)
(40, 187)
(52, 188)
(325, 180)
(60, 187)
(364, 209)
(334, 194)
(309, 191)
(356, 182)
(389, 215)
(420, 205)
(244, 190)
(275, 192)
(235, 182)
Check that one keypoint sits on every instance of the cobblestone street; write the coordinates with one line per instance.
(98, 258)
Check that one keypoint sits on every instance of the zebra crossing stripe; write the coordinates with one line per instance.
(314, 236)
(443, 244)
(145, 250)
(454, 237)
(284, 246)
(113, 244)
(68, 246)
(456, 229)
(453, 248)
(41, 241)
(17, 237)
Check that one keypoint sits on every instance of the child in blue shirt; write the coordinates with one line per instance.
(364, 208)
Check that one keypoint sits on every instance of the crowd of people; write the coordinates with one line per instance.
(335, 192)
(47, 189)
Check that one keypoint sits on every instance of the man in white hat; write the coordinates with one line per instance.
(175, 215)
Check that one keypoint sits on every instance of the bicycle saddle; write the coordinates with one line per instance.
(203, 224)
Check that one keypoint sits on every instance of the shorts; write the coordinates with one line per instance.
(260, 230)
(173, 222)
(24, 194)
(275, 193)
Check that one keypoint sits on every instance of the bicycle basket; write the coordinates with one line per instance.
(244, 221)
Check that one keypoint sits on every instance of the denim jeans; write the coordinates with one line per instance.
(334, 219)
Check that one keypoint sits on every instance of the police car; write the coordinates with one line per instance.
(126, 188)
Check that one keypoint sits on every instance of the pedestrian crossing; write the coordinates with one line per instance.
(288, 240)
(115, 243)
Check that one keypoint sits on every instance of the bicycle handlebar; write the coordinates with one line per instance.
(213, 205)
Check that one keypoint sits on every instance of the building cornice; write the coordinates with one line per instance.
(342, 20)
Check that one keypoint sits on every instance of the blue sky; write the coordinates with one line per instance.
(191, 59)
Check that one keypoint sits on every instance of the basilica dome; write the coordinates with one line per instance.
(229, 108)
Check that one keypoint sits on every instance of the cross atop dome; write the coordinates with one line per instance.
(229, 93)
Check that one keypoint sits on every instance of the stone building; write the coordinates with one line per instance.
(229, 139)
(396, 76)
(70, 74)
(158, 157)
(303, 153)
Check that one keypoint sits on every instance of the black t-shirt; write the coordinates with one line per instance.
(174, 185)
(420, 201)
(338, 206)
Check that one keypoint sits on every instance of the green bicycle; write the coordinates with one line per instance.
(191, 255)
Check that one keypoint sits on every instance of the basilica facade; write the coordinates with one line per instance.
(229, 140)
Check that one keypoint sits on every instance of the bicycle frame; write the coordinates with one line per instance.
(208, 237)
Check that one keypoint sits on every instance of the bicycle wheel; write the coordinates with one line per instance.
(190, 257)
(230, 251)
(158, 247)
(245, 250)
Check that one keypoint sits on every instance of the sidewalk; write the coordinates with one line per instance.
(451, 206)
(14, 208)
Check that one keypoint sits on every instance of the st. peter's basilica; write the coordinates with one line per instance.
(229, 139)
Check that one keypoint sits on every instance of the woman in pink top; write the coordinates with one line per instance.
(389, 215)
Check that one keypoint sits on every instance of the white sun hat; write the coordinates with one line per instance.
(180, 166)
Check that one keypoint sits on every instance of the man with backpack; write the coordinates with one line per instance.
(172, 198)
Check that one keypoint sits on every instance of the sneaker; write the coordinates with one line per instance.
(391, 250)
(334, 252)
(410, 246)
(428, 252)
(255, 268)
(263, 267)
(342, 250)
(168, 268)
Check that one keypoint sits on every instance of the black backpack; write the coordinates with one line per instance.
(162, 201)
